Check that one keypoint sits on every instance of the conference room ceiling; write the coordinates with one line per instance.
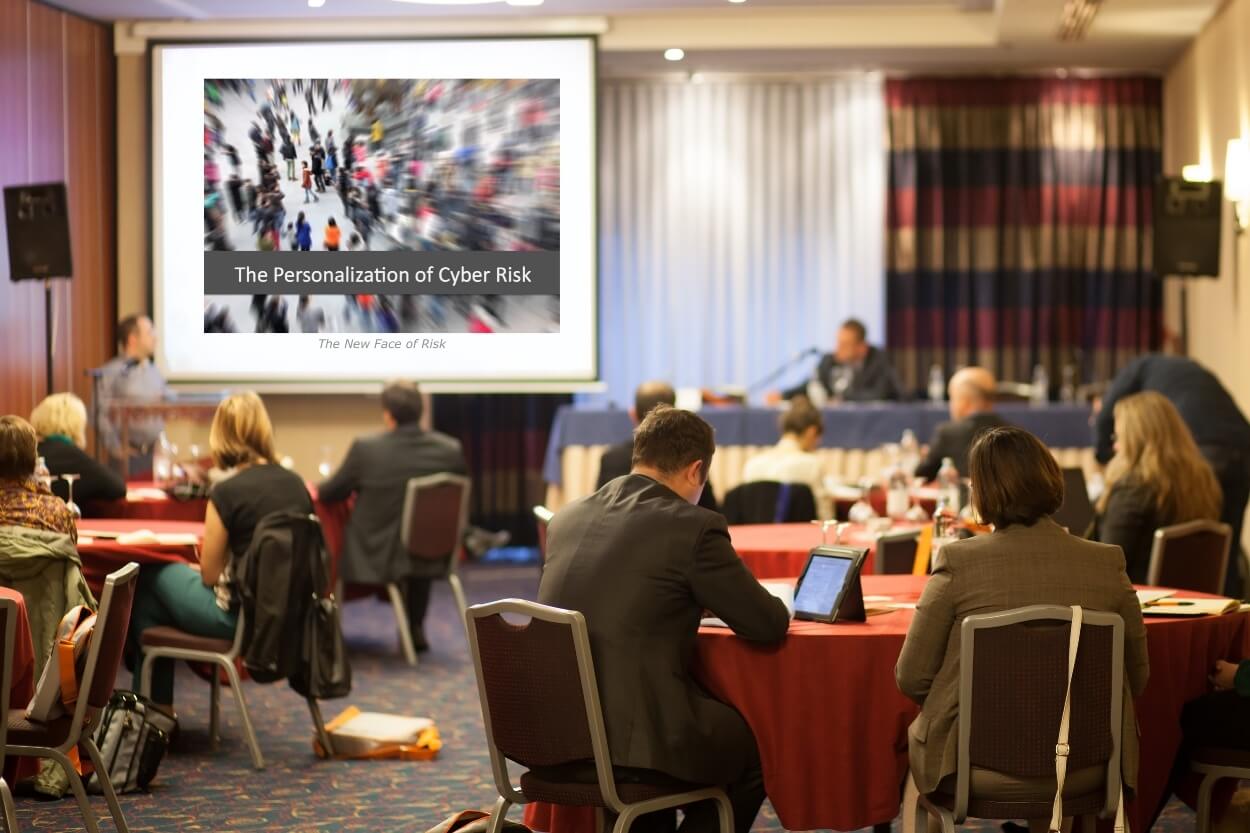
(753, 37)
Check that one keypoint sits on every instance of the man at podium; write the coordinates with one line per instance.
(131, 377)
(855, 371)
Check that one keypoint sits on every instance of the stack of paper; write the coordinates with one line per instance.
(1190, 607)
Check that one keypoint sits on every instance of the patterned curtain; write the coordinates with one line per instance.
(1019, 225)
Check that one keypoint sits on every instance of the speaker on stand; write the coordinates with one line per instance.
(37, 228)
(1187, 221)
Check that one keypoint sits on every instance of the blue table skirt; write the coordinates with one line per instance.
(859, 426)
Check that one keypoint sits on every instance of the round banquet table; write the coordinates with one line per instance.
(139, 506)
(780, 550)
(21, 683)
(101, 556)
(832, 726)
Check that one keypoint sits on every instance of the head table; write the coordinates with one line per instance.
(832, 726)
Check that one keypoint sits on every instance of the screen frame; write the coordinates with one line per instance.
(845, 597)
(355, 384)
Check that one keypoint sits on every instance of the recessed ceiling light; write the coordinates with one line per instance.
(737, 1)
(447, 2)
(316, 4)
(525, 2)
(674, 54)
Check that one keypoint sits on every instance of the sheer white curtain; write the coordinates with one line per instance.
(740, 222)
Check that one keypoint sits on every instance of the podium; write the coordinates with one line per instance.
(124, 412)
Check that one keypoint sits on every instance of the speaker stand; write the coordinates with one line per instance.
(1184, 334)
(49, 336)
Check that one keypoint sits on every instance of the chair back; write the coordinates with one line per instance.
(1076, 513)
(8, 630)
(1190, 556)
(543, 516)
(540, 699)
(1013, 676)
(436, 513)
(108, 641)
(896, 554)
(769, 502)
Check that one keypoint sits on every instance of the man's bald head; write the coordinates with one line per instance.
(650, 394)
(971, 390)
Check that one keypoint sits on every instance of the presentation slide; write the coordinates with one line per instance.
(419, 209)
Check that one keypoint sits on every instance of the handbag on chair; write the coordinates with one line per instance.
(57, 692)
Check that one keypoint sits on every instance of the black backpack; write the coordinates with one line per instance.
(291, 620)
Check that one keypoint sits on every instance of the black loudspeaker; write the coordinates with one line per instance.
(37, 223)
(1187, 227)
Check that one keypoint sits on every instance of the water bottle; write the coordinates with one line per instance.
(162, 461)
(1067, 391)
(42, 475)
(1040, 394)
(948, 484)
(909, 452)
(943, 525)
(937, 383)
(898, 494)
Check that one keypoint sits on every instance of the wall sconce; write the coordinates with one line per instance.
(1196, 173)
(1237, 181)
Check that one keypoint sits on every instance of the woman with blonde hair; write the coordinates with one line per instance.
(60, 420)
(198, 598)
(1157, 478)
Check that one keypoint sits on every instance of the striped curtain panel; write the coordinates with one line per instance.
(1019, 225)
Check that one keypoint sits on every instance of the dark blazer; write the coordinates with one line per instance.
(618, 460)
(1129, 521)
(1013, 567)
(98, 482)
(642, 564)
(954, 440)
(874, 381)
(377, 470)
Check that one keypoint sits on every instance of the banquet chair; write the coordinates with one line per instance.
(436, 515)
(8, 627)
(1214, 765)
(769, 502)
(1012, 679)
(541, 710)
(896, 553)
(1190, 556)
(57, 738)
(543, 516)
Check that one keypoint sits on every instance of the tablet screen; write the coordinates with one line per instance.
(823, 581)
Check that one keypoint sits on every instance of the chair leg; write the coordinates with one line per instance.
(914, 816)
(110, 795)
(253, 744)
(145, 675)
(214, 710)
(948, 820)
(80, 792)
(10, 813)
(457, 590)
(499, 815)
(1204, 803)
(401, 621)
(319, 726)
(725, 812)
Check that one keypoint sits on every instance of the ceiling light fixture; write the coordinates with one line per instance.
(316, 4)
(1078, 16)
(447, 2)
(525, 2)
(674, 54)
(737, 1)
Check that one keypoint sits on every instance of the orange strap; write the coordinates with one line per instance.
(68, 646)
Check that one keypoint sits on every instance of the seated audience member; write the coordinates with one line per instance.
(60, 420)
(616, 461)
(641, 562)
(1027, 560)
(377, 470)
(1157, 478)
(793, 459)
(1219, 429)
(24, 501)
(971, 393)
(198, 598)
(855, 371)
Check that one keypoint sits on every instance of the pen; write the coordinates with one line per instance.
(1168, 603)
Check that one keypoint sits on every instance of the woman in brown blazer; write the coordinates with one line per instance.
(1027, 560)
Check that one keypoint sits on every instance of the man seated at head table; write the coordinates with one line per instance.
(60, 420)
(793, 458)
(377, 470)
(1027, 560)
(971, 393)
(616, 461)
(131, 376)
(641, 561)
(855, 371)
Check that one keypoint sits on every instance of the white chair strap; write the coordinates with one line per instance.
(1062, 749)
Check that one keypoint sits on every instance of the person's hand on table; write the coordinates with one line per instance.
(773, 397)
(1223, 676)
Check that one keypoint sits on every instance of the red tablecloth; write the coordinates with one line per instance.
(159, 509)
(780, 550)
(21, 683)
(101, 556)
(832, 726)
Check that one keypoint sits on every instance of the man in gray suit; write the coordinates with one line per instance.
(642, 561)
(377, 470)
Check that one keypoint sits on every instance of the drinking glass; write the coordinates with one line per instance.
(69, 493)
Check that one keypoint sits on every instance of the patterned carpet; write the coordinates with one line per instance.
(202, 790)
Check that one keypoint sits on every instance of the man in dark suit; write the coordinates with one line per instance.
(1219, 428)
(642, 562)
(617, 460)
(377, 470)
(971, 393)
(855, 371)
